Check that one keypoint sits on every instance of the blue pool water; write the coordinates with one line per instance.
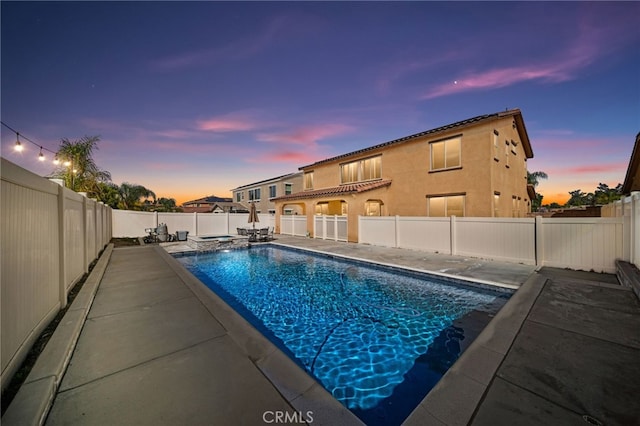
(377, 339)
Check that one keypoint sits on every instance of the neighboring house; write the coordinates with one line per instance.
(475, 167)
(632, 179)
(213, 204)
(262, 193)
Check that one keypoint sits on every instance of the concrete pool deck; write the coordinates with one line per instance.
(145, 343)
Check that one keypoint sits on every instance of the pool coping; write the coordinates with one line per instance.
(458, 394)
(303, 392)
(452, 401)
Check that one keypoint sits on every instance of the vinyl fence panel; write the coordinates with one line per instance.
(509, 239)
(48, 238)
(582, 243)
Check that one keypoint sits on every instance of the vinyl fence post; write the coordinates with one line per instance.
(62, 293)
(453, 232)
(396, 242)
(539, 241)
(195, 224)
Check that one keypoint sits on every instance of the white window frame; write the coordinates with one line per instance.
(290, 190)
(252, 194)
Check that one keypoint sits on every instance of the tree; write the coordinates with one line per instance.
(605, 195)
(131, 196)
(165, 205)
(533, 178)
(579, 198)
(79, 171)
(108, 193)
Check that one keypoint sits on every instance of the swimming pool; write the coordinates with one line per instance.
(377, 339)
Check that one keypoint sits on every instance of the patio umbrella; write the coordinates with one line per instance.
(253, 215)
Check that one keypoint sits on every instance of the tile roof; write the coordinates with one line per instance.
(210, 199)
(335, 190)
(510, 112)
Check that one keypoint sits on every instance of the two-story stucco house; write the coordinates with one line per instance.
(262, 193)
(474, 167)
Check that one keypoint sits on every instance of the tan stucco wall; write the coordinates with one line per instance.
(408, 166)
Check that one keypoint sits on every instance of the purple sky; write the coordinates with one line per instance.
(193, 99)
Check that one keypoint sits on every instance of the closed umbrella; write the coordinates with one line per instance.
(253, 215)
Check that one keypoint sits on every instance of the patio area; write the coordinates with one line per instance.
(145, 343)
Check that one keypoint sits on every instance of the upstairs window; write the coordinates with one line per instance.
(308, 180)
(254, 194)
(238, 197)
(445, 154)
(361, 170)
(288, 188)
(272, 191)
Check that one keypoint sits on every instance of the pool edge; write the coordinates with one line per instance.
(456, 396)
(301, 391)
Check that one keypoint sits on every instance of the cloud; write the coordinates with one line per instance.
(596, 38)
(597, 168)
(277, 28)
(227, 124)
(307, 136)
(502, 77)
(294, 157)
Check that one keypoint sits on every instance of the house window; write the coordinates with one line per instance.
(452, 205)
(496, 204)
(254, 194)
(272, 211)
(514, 206)
(288, 188)
(308, 180)
(445, 154)
(272, 191)
(506, 153)
(288, 212)
(496, 146)
(361, 170)
(238, 197)
(373, 208)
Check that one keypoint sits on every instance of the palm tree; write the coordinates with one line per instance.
(78, 170)
(131, 195)
(533, 178)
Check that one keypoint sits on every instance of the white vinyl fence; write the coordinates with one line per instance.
(128, 223)
(49, 237)
(330, 227)
(629, 209)
(293, 225)
(576, 243)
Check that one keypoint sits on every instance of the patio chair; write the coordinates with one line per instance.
(241, 231)
(264, 234)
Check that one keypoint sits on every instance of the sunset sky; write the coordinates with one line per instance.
(196, 98)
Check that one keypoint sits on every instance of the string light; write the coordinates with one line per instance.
(19, 147)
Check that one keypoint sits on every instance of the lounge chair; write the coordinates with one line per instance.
(241, 231)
